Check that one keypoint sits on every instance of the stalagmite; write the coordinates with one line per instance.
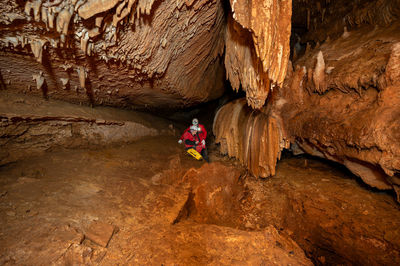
(345, 33)
(319, 74)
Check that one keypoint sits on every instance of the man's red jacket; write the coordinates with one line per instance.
(202, 133)
(190, 141)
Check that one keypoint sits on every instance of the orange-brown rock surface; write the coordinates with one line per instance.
(339, 101)
(52, 125)
(349, 110)
(53, 206)
(254, 137)
(122, 53)
(257, 47)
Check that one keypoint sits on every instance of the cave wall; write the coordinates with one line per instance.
(347, 103)
(131, 53)
(31, 126)
(340, 99)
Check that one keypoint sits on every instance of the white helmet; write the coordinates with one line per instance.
(195, 121)
(193, 127)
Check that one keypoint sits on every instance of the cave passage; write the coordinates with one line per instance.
(300, 99)
(159, 205)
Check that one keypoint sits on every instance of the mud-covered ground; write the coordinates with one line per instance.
(166, 208)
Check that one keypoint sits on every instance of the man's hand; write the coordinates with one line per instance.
(197, 142)
(180, 141)
(203, 142)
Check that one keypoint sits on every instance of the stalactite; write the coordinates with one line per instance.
(93, 7)
(39, 78)
(50, 17)
(65, 83)
(36, 7)
(145, 45)
(98, 21)
(44, 12)
(82, 74)
(37, 48)
(258, 43)
(251, 136)
(63, 20)
(84, 41)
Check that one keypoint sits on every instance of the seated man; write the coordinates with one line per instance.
(192, 140)
(200, 129)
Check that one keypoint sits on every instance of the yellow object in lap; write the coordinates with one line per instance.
(195, 154)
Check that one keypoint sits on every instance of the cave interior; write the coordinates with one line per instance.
(300, 99)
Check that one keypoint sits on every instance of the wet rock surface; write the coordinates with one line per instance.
(167, 208)
(68, 191)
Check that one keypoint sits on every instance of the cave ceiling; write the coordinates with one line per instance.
(121, 53)
(135, 53)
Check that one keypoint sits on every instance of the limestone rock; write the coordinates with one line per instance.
(349, 115)
(258, 46)
(253, 137)
(100, 233)
(157, 55)
(25, 132)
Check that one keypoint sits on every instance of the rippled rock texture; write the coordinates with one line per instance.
(340, 99)
(257, 47)
(144, 53)
(130, 53)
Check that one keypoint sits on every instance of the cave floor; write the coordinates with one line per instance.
(48, 202)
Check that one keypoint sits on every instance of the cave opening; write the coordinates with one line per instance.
(300, 100)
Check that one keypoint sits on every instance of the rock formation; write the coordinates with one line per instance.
(257, 47)
(252, 136)
(339, 101)
(27, 131)
(135, 53)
